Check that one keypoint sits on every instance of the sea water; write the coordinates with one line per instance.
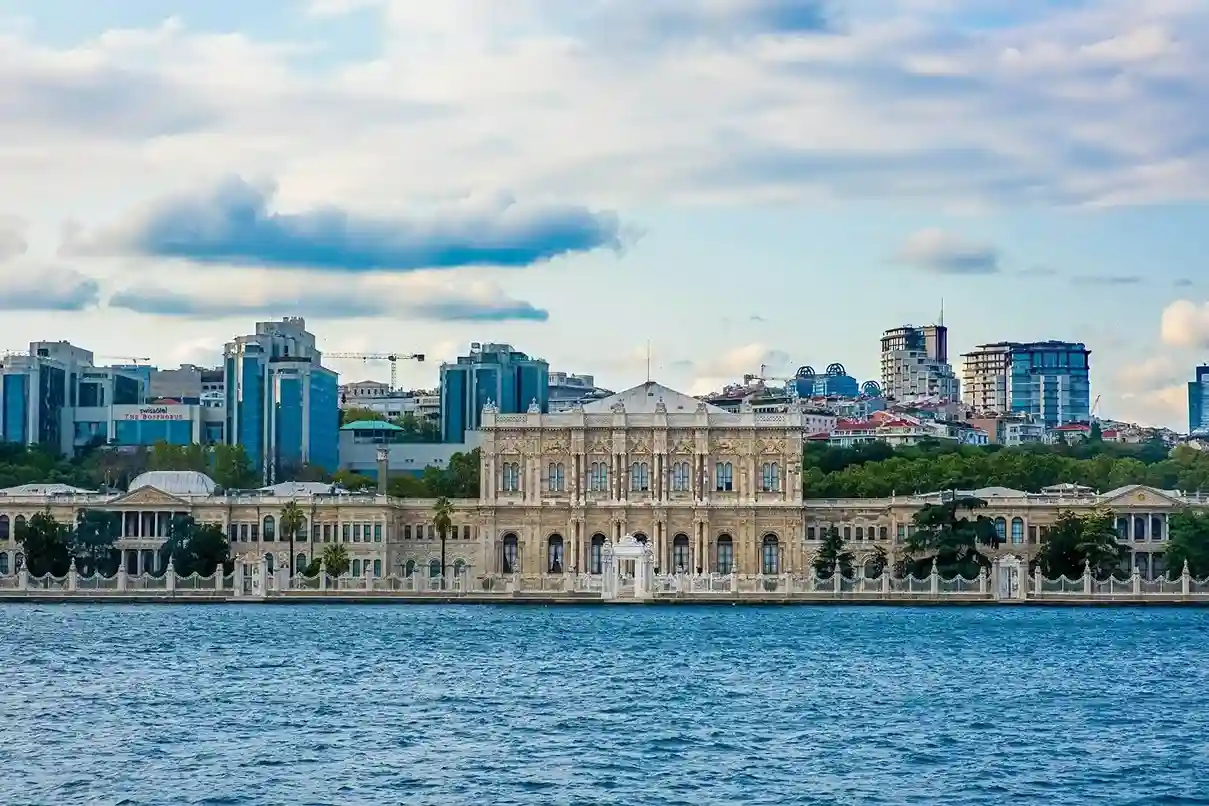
(330, 704)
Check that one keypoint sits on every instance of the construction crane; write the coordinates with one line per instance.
(1094, 408)
(133, 359)
(791, 386)
(393, 358)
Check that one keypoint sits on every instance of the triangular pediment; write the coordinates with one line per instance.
(149, 497)
(1140, 495)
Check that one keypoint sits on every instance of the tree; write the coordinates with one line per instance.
(1095, 433)
(875, 566)
(292, 521)
(196, 548)
(165, 456)
(442, 521)
(833, 554)
(232, 469)
(357, 414)
(1075, 540)
(952, 539)
(459, 480)
(92, 545)
(1188, 542)
(335, 559)
(46, 544)
(353, 481)
(406, 485)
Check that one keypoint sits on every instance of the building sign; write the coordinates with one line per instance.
(159, 413)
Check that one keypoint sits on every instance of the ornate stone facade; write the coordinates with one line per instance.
(707, 489)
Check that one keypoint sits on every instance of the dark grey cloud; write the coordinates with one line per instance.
(327, 303)
(233, 224)
(46, 288)
(1183, 282)
(1107, 279)
(940, 252)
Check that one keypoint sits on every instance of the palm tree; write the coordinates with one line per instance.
(442, 521)
(335, 559)
(292, 519)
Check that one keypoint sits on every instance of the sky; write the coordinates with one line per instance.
(734, 183)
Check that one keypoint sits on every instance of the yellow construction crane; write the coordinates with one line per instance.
(393, 358)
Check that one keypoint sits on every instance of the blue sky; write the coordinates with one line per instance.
(738, 182)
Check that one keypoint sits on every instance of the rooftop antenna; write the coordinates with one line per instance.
(942, 312)
(648, 360)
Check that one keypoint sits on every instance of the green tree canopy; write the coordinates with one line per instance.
(876, 471)
(335, 559)
(952, 534)
(833, 554)
(1075, 540)
(46, 544)
(196, 548)
(96, 532)
(1188, 541)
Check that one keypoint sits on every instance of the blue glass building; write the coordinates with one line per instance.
(1198, 402)
(491, 372)
(281, 403)
(1048, 380)
(835, 382)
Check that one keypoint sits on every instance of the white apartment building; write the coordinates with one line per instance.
(915, 364)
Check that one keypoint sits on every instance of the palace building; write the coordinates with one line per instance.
(710, 490)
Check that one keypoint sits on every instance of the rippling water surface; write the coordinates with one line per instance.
(625, 705)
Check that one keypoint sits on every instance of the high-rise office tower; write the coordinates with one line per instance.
(1049, 380)
(281, 402)
(490, 372)
(915, 363)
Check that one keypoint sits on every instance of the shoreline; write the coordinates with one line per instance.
(697, 600)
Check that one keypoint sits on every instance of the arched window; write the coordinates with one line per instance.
(1139, 527)
(18, 525)
(377, 568)
(640, 477)
(511, 477)
(409, 568)
(639, 537)
(554, 554)
(269, 529)
(3, 563)
(270, 560)
(1017, 530)
(860, 533)
(680, 560)
(556, 477)
(680, 477)
(302, 531)
(883, 533)
(726, 554)
(595, 555)
(770, 477)
(4, 527)
(434, 569)
(356, 568)
(300, 563)
(510, 551)
(598, 477)
(1001, 528)
(1156, 527)
(459, 567)
(724, 477)
(1123, 528)
(770, 555)
(18, 559)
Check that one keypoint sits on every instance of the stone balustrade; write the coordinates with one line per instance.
(1005, 582)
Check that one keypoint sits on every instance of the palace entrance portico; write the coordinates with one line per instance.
(627, 569)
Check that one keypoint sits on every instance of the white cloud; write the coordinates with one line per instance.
(732, 365)
(1185, 324)
(12, 238)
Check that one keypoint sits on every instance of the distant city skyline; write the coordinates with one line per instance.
(736, 183)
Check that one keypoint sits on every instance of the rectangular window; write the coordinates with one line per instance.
(255, 528)
(377, 533)
(407, 531)
(345, 532)
(327, 533)
(810, 533)
(356, 533)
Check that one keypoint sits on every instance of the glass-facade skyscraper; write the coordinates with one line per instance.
(1048, 380)
(1198, 402)
(281, 402)
(490, 372)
